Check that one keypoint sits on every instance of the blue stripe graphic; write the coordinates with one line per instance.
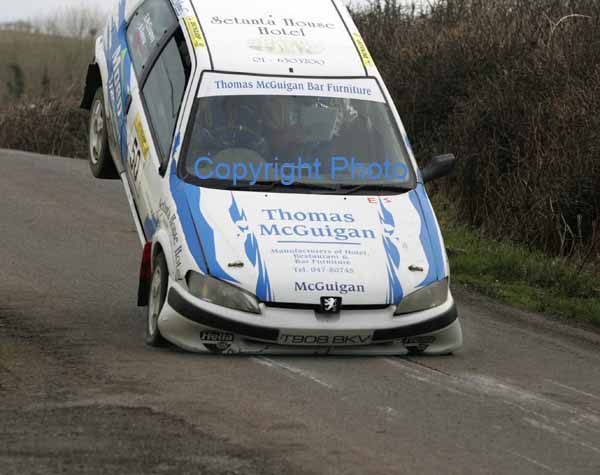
(430, 239)
(206, 233)
(264, 290)
(395, 292)
(186, 219)
(118, 49)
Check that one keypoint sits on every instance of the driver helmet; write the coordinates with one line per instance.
(227, 113)
(278, 113)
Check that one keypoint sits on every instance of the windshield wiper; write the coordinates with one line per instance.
(272, 185)
(330, 188)
(314, 186)
(351, 189)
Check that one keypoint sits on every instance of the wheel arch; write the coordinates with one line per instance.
(159, 245)
(96, 74)
(93, 82)
(162, 243)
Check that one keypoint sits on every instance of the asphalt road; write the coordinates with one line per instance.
(81, 393)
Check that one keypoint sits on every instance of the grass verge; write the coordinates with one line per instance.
(517, 276)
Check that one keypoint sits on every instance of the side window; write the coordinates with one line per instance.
(152, 23)
(164, 89)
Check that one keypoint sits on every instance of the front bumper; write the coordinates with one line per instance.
(196, 325)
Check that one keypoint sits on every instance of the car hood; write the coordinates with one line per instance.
(296, 249)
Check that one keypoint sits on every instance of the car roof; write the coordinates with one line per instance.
(307, 38)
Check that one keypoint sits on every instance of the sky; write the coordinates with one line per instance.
(25, 9)
(11, 10)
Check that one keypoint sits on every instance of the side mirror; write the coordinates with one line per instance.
(438, 167)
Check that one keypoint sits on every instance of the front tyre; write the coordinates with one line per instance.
(158, 295)
(101, 161)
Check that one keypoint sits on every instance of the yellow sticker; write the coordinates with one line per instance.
(367, 59)
(139, 128)
(195, 32)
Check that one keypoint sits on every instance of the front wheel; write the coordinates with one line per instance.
(158, 294)
(101, 161)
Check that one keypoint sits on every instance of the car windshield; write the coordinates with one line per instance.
(326, 142)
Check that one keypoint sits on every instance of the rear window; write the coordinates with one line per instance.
(148, 29)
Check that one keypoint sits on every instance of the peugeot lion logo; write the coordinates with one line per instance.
(331, 304)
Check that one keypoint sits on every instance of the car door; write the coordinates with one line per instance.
(162, 68)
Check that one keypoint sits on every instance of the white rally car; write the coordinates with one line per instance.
(271, 181)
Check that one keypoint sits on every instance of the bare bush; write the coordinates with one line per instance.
(52, 126)
(77, 22)
(16, 85)
(511, 86)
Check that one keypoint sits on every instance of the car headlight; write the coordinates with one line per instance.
(221, 293)
(431, 296)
